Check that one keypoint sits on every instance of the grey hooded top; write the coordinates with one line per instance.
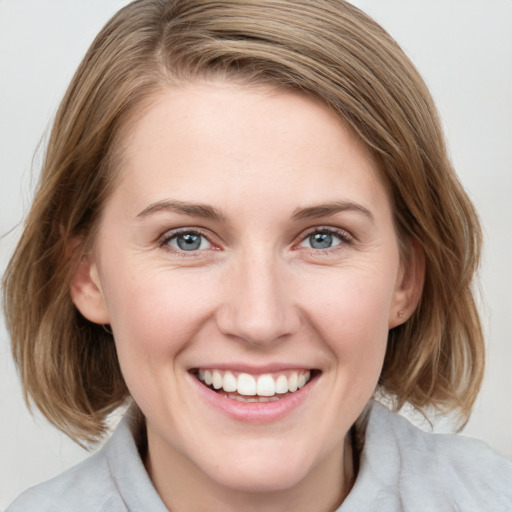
(402, 468)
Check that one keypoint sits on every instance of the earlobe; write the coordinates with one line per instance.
(86, 292)
(409, 286)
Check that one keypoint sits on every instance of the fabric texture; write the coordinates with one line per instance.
(402, 468)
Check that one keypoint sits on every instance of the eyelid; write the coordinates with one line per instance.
(345, 236)
(164, 239)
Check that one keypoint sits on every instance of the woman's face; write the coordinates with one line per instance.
(249, 241)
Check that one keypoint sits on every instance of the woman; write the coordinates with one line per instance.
(247, 226)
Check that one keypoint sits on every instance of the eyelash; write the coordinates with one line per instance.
(346, 239)
(165, 240)
(344, 236)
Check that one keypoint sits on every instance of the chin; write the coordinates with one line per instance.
(263, 467)
(260, 480)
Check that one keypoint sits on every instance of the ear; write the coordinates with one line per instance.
(409, 285)
(86, 292)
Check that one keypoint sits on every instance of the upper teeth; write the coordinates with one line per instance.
(250, 385)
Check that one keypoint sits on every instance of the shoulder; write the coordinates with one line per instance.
(112, 480)
(433, 471)
(457, 459)
(86, 486)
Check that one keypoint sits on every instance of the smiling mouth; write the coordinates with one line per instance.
(244, 387)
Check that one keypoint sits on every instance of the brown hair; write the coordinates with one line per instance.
(326, 49)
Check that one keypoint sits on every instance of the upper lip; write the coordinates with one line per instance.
(253, 369)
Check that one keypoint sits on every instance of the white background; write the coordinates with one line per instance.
(462, 47)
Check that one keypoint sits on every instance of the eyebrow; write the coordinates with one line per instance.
(323, 210)
(210, 212)
(184, 208)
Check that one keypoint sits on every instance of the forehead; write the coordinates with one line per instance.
(211, 141)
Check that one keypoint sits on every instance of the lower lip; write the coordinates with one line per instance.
(254, 412)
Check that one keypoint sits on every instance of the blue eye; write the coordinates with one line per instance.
(322, 240)
(188, 241)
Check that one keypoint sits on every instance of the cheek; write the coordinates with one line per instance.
(154, 315)
(350, 303)
(152, 323)
(351, 314)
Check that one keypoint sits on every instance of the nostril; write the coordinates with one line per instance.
(256, 329)
(259, 308)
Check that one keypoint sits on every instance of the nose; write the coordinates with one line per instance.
(258, 305)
